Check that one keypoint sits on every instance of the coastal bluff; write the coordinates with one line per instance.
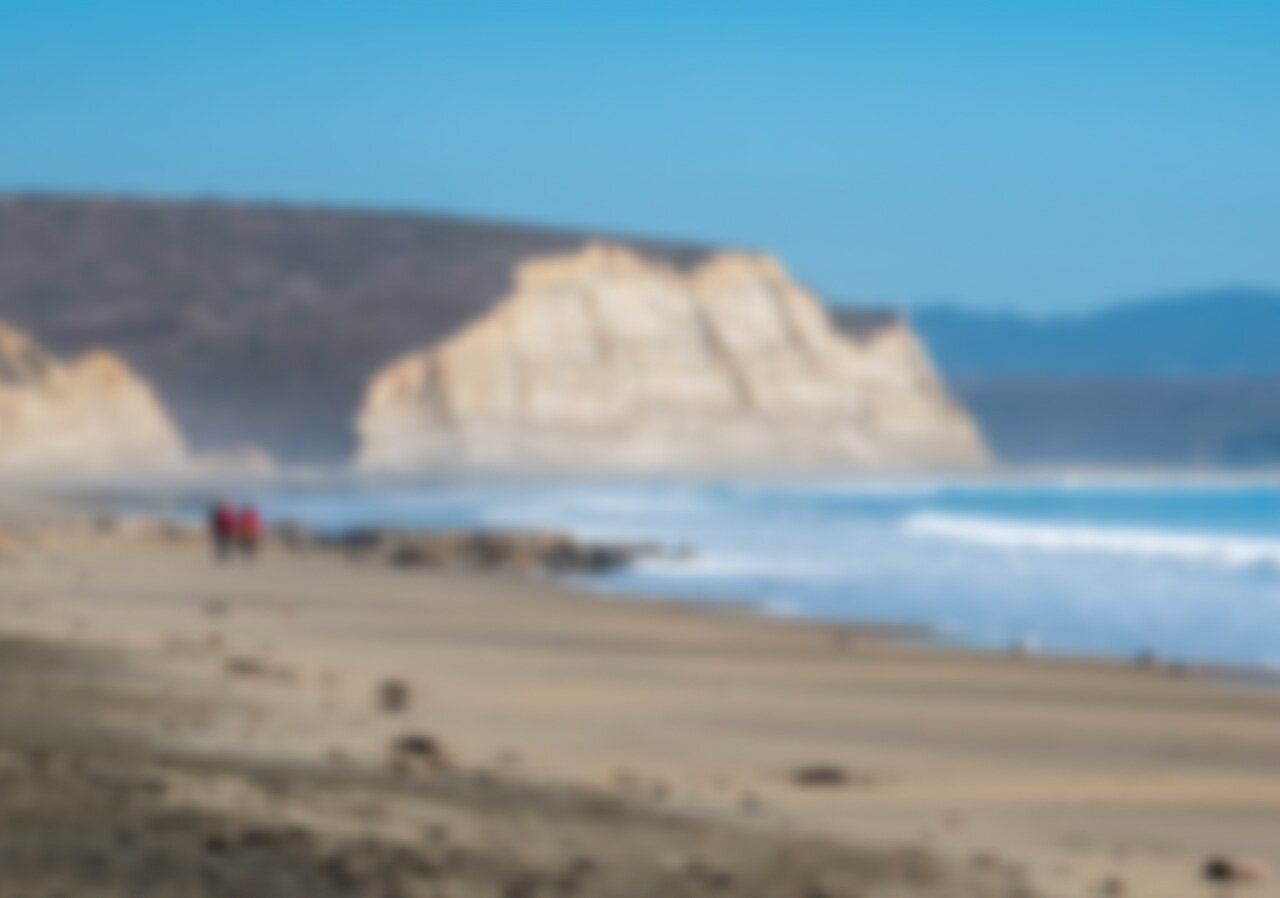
(603, 359)
(88, 413)
(257, 323)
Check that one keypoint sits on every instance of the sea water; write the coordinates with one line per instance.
(1183, 569)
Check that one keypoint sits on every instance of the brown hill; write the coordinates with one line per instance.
(258, 324)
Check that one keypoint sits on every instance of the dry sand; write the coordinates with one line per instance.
(1096, 778)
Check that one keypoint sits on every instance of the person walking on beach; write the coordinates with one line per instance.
(222, 529)
(248, 531)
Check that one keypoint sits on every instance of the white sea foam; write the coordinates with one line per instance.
(1011, 534)
(694, 564)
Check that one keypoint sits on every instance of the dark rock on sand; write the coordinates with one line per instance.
(1225, 868)
(394, 695)
(417, 753)
(250, 667)
(828, 776)
(1113, 887)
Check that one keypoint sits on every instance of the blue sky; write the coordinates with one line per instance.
(1031, 155)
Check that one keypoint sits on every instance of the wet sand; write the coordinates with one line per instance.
(1092, 777)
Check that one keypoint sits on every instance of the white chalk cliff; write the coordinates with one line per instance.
(605, 361)
(88, 413)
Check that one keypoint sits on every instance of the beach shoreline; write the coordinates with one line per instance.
(1158, 570)
(1075, 770)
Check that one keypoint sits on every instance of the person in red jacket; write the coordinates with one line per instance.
(248, 530)
(222, 529)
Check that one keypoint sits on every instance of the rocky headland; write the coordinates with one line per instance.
(90, 413)
(258, 324)
(291, 335)
(603, 359)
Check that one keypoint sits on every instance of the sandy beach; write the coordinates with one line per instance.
(1021, 775)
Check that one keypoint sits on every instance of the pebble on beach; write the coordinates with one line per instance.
(394, 695)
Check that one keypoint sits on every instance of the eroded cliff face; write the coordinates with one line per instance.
(603, 360)
(91, 413)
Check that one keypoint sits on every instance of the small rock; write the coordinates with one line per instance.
(394, 695)
(245, 666)
(822, 776)
(1230, 868)
(249, 667)
(417, 753)
(1113, 887)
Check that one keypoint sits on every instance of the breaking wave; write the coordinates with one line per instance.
(1000, 533)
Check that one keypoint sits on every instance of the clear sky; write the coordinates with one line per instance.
(1036, 155)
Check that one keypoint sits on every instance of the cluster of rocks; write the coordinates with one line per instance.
(514, 551)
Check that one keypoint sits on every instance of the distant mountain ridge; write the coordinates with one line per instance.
(1228, 332)
(1192, 378)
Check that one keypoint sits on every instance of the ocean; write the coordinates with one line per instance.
(1184, 569)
